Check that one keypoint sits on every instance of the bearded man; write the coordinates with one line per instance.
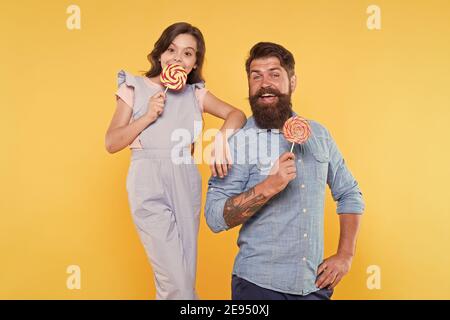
(278, 197)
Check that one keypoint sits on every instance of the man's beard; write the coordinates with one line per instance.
(274, 115)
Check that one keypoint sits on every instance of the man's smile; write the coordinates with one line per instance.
(268, 98)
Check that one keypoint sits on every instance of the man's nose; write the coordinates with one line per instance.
(266, 83)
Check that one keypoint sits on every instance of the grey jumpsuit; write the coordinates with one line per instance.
(164, 194)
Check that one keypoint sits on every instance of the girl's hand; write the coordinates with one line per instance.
(156, 106)
(220, 156)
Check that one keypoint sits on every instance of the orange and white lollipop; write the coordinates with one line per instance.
(173, 76)
(296, 130)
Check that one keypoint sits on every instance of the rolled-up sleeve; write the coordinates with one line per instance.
(219, 190)
(344, 187)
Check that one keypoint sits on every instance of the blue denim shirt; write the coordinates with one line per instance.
(281, 245)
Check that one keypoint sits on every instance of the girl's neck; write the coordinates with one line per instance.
(155, 80)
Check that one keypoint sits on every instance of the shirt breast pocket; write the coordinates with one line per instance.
(264, 165)
(321, 161)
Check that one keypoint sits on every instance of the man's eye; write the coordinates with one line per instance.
(275, 75)
(255, 77)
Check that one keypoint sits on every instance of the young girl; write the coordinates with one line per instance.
(164, 195)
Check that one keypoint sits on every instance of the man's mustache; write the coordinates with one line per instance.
(263, 91)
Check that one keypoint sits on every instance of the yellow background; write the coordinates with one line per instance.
(383, 94)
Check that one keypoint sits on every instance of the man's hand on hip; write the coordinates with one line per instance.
(332, 270)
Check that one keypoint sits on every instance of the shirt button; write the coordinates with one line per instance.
(302, 185)
(305, 235)
(304, 210)
(304, 259)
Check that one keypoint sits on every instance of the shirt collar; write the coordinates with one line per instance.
(276, 131)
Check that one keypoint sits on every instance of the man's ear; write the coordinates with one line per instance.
(293, 83)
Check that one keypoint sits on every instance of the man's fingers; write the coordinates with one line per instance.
(336, 281)
(321, 279)
(219, 170)
(224, 169)
(322, 276)
(289, 163)
(321, 268)
(287, 155)
(289, 166)
(331, 278)
(212, 167)
(285, 166)
(328, 278)
(291, 170)
(228, 157)
(291, 176)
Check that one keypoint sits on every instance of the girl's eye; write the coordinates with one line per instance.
(188, 54)
(170, 49)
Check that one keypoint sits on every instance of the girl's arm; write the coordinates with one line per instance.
(235, 119)
(121, 132)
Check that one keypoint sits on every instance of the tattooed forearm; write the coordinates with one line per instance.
(241, 207)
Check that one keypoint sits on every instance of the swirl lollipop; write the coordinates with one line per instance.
(296, 130)
(173, 76)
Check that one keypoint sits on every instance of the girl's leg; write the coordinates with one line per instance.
(157, 228)
(185, 199)
(159, 234)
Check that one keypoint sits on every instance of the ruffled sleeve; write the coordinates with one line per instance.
(125, 77)
(126, 84)
(200, 92)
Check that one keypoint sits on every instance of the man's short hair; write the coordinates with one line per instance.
(270, 49)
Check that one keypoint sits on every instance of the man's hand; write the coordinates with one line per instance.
(332, 270)
(221, 160)
(282, 172)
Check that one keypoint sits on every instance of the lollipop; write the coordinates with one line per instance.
(173, 76)
(296, 130)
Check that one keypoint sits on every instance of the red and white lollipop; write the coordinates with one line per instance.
(173, 76)
(296, 130)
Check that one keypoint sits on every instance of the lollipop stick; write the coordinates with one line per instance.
(292, 146)
(167, 88)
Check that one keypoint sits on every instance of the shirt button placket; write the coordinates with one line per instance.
(304, 235)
